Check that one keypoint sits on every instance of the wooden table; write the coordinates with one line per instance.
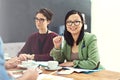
(100, 75)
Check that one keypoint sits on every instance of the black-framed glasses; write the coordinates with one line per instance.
(76, 23)
(40, 20)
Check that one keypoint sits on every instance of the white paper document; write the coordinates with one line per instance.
(79, 70)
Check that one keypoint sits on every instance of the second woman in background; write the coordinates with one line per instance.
(39, 44)
(80, 48)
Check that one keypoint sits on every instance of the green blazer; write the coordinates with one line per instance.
(88, 53)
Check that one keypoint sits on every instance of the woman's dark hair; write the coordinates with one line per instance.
(67, 35)
(46, 12)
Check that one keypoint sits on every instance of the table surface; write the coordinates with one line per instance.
(99, 75)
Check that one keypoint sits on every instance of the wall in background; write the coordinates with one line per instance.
(106, 25)
(16, 16)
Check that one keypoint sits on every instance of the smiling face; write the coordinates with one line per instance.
(74, 24)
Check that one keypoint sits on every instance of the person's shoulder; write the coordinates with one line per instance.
(89, 36)
(1, 41)
(52, 33)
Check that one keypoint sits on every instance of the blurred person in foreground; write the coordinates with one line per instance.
(12, 63)
(39, 44)
(80, 48)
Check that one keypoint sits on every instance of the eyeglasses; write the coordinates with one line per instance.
(76, 23)
(40, 20)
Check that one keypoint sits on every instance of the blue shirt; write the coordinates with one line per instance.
(3, 73)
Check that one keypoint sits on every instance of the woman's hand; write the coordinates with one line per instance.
(12, 63)
(24, 57)
(67, 64)
(57, 41)
(30, 74)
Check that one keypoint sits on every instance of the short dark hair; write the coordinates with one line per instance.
(46, 12)
(67, 35)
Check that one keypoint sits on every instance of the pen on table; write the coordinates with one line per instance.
(38, 69)
(42, 65)
(38, 66)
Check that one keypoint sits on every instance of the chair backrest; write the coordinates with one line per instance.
(12, 49)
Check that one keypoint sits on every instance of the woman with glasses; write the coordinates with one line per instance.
(79, 48)
(39, 44)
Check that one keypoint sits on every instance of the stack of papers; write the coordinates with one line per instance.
(52, 77)
(79, 70)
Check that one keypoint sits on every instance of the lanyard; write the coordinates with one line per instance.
(41, 44)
